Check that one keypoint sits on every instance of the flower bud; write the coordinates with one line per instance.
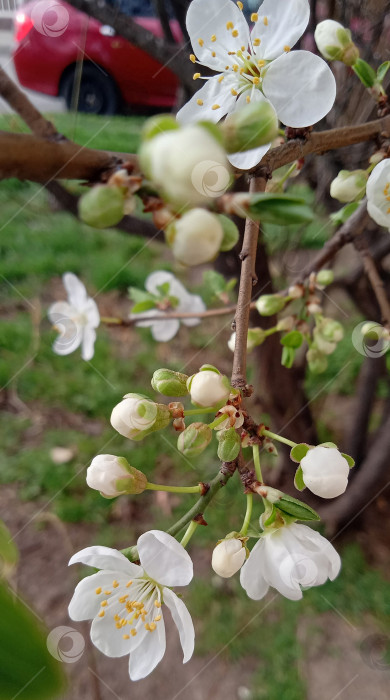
(188, 166)
(325, 471)
(256, 336)
(296, 291)
(208, 387)
(102, 206)
(316, 360)
(228, 557)
(194, 439)
(250, 127)
(331, 330)
(136, 416)
(170, 383)
(286, 324)
(113, 476)
(196, 238)
(230, 232)
(326, 347)
(157, 124)
(324, 278)
(270, 304)
(349, 185)
(334, 42)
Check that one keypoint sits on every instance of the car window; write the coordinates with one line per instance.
(134, 8)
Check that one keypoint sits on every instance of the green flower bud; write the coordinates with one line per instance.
(270, 304)
(229, 444)
(250, 127)
(170, 383)
(102, 206)
(349, 185)
(157, 125)
(194, 439)
(335, 43)
(324, 277)
(316, 360)
(331, 330)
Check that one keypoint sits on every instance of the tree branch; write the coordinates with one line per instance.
(376, 282)
(20, 103)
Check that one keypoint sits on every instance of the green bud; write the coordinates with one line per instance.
(135, 483)
(157, 124)
(102, 206)
(230, 232)
(331, 330)
(170, 383)
(229, 445)
(194, 439)
(270, 304)
(349, 185)
(250, 127)
(325, 277)
(316, 360)
(335, 42)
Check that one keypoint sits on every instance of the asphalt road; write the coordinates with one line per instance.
(42, 102)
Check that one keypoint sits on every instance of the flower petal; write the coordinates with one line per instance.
(106, 558)
(183, 622)
(149, 653)
(144, 315)
(379, 215)
(77, 294)
(85, 603)
(251, 574)
(88, 344)
(321, 546)
(195, 305)
(207, 19)
(107, 638)
(91, 311)
(285, 24)
(248, 159)
(377, 204)
(165, 330)
(279, 566)
(211, 94)
(164, 559)
(301, 87)
(156, 279)
(60, 309)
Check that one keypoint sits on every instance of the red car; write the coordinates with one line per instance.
(51, 37)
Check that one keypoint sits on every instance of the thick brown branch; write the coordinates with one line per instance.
(16, 99)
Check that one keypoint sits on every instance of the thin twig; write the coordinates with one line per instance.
(376, 282)
(20, 103)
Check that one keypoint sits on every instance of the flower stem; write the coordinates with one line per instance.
(199, 411)
(248, 514)
(111, 320)
(256, 460)
(173, 489)
(217, 421)
(279, 438)
(188, 533)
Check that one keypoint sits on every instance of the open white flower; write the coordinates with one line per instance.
(256, 66)
(75, 319)
(378, 194)
(325, 471)
(125, 601)
(287, 558)
(167, 328)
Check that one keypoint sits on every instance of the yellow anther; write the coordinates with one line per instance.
(196, 76)
(147, 626)
(287, 48)
(388, 211)
(199, 102)
(235, 67)
(231, 53)
(227, 67)
(115, 584)
(214, 38)
(235, 32)
(261, 63)
(116, 617)
(234, 92)
(192, 58)
(157, 604)
(240, 5)
(248, 99)
(229, 25)
(200, 42)
(265, 21)
(256, 42)
(243, 48)
(213, 54)
(221, 77)
(107, 592)
(101, 614)
(123, 599)
(103, 603)
(157, 618)
(98, 591)
(214, 107)
(128, 584)
(256, 81)
(254, 17)
(126, 636)
(133, 632)
(388, 197)
(242, 71)
(152, 626)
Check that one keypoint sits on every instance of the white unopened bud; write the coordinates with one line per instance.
(208, 388)
(349, 185)
(256, 336)
(136, 416)
(113, 476)
(228, 557)
(325, 471)
(335, 43)
(196, 238)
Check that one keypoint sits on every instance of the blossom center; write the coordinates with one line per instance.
(387, 195)
(131, 605)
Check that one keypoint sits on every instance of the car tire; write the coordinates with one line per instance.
(98, 93)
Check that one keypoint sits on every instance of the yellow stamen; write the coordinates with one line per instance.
(116, 617)
(101, 614)
(234, 92)
(98, 591)
(214, 38)
(261, 63)
(248, 99)
(128, 584)
(256, 81)
(235, 67)
(213, 54)
(265, 21)
(388, 211)
(254, 17)
(115, 584)
(152, 626)
(123, 599)
(214, 107)
(200, 42)
(157, 604)
(240, 5)
(196, 76)
(103, 603)
(157, 618)
(235, 32)
(133, 632)
(199, 102)
(256, 42)
(229, 25)
(107, 592)
(126, 636)
(287, 48)
(147, 626)
(192, 58)
(242, 48)
(221, 78)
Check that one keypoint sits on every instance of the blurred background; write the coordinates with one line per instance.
(55, 410)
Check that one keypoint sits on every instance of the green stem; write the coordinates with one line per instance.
(256, 460)
(248, 514)
(217, 421)
(110, 319)
(279, 438)
(200, 506)
(199, 411)
(188, 533)
(287, 175)
(173, 489)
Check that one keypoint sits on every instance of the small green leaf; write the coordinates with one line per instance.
(282, 209)
(299, 452)
(365, 73)
(229, 445)
(342, 215)
(139, 295)
(142, 306)
(298, 480)
(164, 288)
(327, 444)
(350, 460)
(382, 70)
(288, 357)
(293, 339)
(298, 509)
(272, 517)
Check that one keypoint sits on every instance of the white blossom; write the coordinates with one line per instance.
(256, 66)
(166, 329)
(136, 416)
(208, 388)
(288, 558)
(125, 601)
(378, 194)
(335, 43)
(75, 319)
(196, 237)
(228, 557)
(349, 185)
(325, 471)
(113, 476)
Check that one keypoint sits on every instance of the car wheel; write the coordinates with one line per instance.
(98, 93)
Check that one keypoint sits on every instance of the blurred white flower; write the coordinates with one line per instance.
(287, 558)
(256, 66)
(167, 328)
(75, 319)
(325, 471)
(124, 600)
(378, 194)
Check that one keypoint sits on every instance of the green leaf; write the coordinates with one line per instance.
(230, 232)
(299, 452)
(293, 339)
(9, 554)
(328, 444)
(28, 671)
(272, 517)
(164, 288)
(342, 215)
(288, 357)
(298, 509)
(365, 73)
(282, 209)
(139, 295)
(298, 479)
(229, 445)
(143, 306)
(382, 70)
(350, 460)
